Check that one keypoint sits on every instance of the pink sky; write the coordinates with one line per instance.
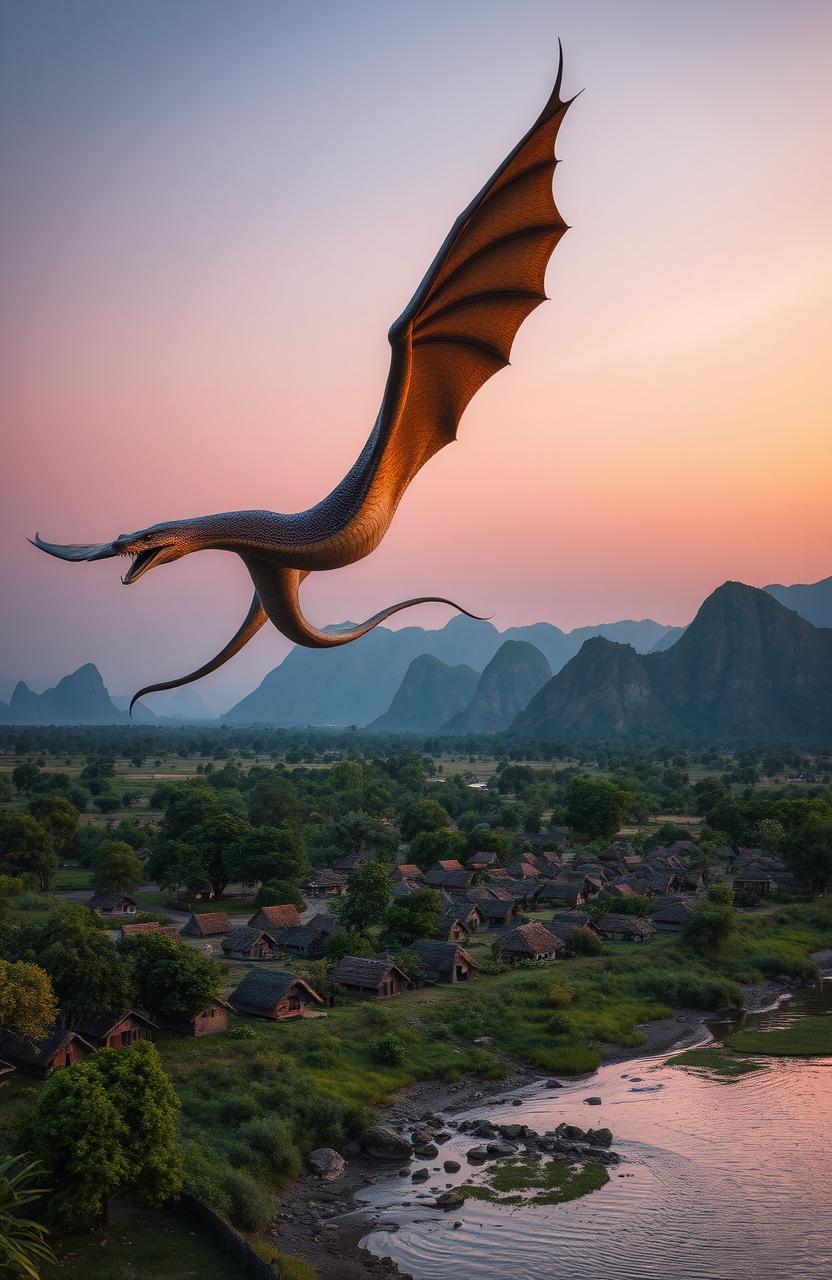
(215, 212)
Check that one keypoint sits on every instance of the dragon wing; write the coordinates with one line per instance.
(456, 332)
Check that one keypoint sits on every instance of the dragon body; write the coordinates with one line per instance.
(455, 333)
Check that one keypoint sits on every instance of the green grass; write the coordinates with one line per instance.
(809, 1037)
(549, 1181)
(72, 878)
(142, 1243)
(713, 1062)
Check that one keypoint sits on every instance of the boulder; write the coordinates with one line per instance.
(383, 1143)
(512, 1131)
(477, 1155)
(327, 1163)
(599, 1137)
(570, 1132)
(593, 1102)
(451, 1166)
(420, 1175)
(452, 1199)
(427, 1152)
(501, 1148)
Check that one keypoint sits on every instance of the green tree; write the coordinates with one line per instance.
(116, 867)
(186, 809)
(275, 892)
(412, 917)
(60, 817)
(171, 978)
(89, 976)
(346, 942)
(424, 815)
(367, 898)
(23, 1246)
(596, 807)
(710, 924)
(273, 803)
(24, 776)
(428, 847)
(105, 1126)
(27, 849)
(808, 850)
(769, 835)
(27, 1001)
(266, 853)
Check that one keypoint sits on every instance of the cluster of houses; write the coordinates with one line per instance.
(477, 894)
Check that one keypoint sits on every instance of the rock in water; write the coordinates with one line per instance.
(383, 1143)
(327, 1163)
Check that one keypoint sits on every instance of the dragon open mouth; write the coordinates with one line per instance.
(142, 560)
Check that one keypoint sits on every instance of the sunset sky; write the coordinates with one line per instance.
(212, 212)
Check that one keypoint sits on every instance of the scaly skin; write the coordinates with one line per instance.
(455, 333)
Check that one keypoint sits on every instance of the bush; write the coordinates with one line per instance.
(560, 997)
(583, 942)
(389, 1050)
(241, 1031)
(249, 1206)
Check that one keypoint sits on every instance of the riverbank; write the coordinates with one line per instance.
(324, 1224)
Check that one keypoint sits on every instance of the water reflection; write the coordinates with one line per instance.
(717, 1181)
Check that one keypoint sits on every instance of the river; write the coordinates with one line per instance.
(717, 1181)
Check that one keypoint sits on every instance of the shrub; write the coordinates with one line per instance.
(241, 1031)
(560, 997)
(583, 942)
(389, 1050)
(249, 1206)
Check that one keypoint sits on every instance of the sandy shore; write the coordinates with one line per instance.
(322, 1223)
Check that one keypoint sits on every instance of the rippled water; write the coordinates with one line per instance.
(716, 1181)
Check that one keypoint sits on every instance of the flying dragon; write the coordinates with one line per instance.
(454, 334)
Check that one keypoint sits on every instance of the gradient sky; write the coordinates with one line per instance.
(212, 212)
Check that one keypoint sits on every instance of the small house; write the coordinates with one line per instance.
(115, 1030)
(60, 1047)
(522, 869)
(245, 943)
(352, 861)
(566, 893)
(621, 928)
(150, 926)
(672, 916)
(205, 1022)
(377, 979)
(485, 860)
(530, 941)
(306, 940)
(455, 880)
(325, 883)
(444, 962)
(500, 912)
(275, 994)
(208, 925)
(406, 871)
(112, 904)
(563, 922)
(755, 880)
(275, 919)
(451, 929)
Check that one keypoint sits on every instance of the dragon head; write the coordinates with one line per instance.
(160, 544)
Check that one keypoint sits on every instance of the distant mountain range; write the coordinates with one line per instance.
(80, 698)
(746, 667)
(752, 663)
(356, 684)
(813, 601)
(430, 693)
(509, 682)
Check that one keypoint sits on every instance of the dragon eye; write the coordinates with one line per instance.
(148, 537)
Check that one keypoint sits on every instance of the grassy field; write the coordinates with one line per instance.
(713, 1061)
(808, 1037)
(530, 1180)
(256, 1098)
(142, 1243)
